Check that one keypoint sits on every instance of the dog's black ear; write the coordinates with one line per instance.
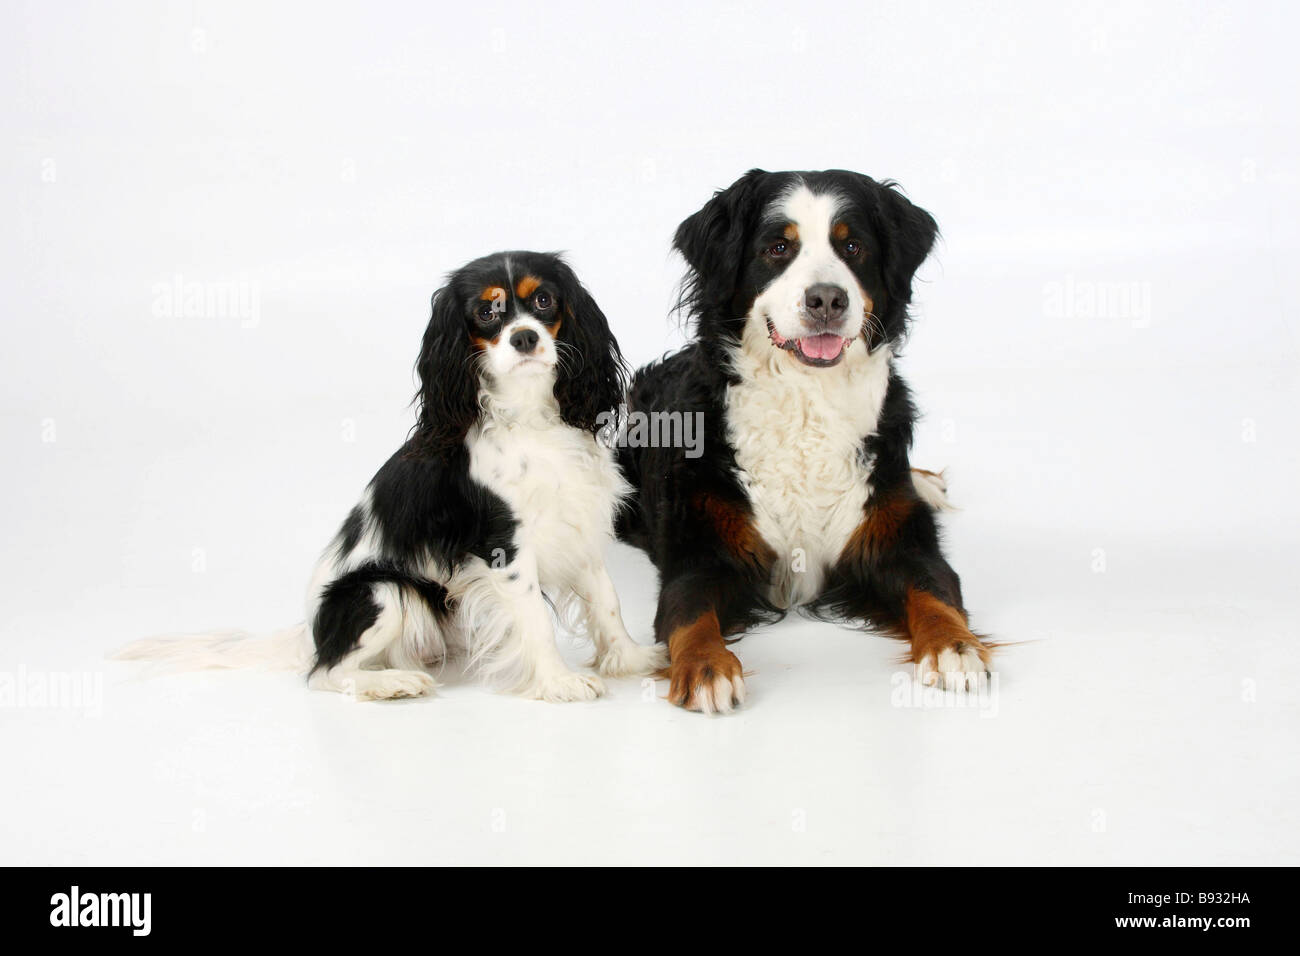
(907, 234)
(447, 402)
(590, 377)
(712, 241)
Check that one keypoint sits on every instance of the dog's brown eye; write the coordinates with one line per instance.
(542, 301)
(486, 312)
(778, 250)
(852, 247)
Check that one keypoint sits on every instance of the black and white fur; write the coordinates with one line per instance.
(494, 513)
(798, 287)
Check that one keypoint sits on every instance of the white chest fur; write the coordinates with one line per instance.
(797, 433)
(562, 486)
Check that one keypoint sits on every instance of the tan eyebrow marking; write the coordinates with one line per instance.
(841, 231)
(791, 232)
(526, 286)
(493, 293)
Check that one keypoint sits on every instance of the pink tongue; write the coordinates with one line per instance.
(821, 346)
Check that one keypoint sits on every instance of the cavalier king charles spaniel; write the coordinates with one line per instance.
(495, 512)
(798, 286)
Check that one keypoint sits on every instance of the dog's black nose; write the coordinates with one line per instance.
(524, 341)
(825, 303)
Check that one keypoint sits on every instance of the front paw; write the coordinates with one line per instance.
(389, 684)
(629, 659)
(957, 667)
(710, 682)
(568, 686)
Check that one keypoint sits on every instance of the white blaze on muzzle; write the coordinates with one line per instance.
(503, 357)
(782, 305)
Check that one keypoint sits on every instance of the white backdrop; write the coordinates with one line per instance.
(222, 225)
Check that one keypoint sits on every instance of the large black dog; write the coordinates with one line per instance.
(798, 286)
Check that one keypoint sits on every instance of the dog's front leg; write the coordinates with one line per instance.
(894, 575)
(703, 674)
(512, 632)
(713, 585)
(617, 655)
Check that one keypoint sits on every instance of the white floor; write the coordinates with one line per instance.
(1149, 716)
(223, 223)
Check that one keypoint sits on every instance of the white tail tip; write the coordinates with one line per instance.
(287, 649)
(932, 486)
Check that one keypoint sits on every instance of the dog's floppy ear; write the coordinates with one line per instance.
(447, 402)
(907, 233)
(590, 376)
(712, 241)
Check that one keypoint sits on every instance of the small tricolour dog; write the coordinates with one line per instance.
(499, 505)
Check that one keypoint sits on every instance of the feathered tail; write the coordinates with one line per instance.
(932, 486)
(287, 649)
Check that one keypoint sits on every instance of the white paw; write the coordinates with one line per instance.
(957, 668)
(711, 682)
(719, 696)
(628, 659)
(388, 685)
(568, 686)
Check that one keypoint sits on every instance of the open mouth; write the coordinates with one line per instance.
(819, 351)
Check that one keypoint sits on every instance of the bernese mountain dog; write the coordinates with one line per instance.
(798, 286)
(494, 513)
